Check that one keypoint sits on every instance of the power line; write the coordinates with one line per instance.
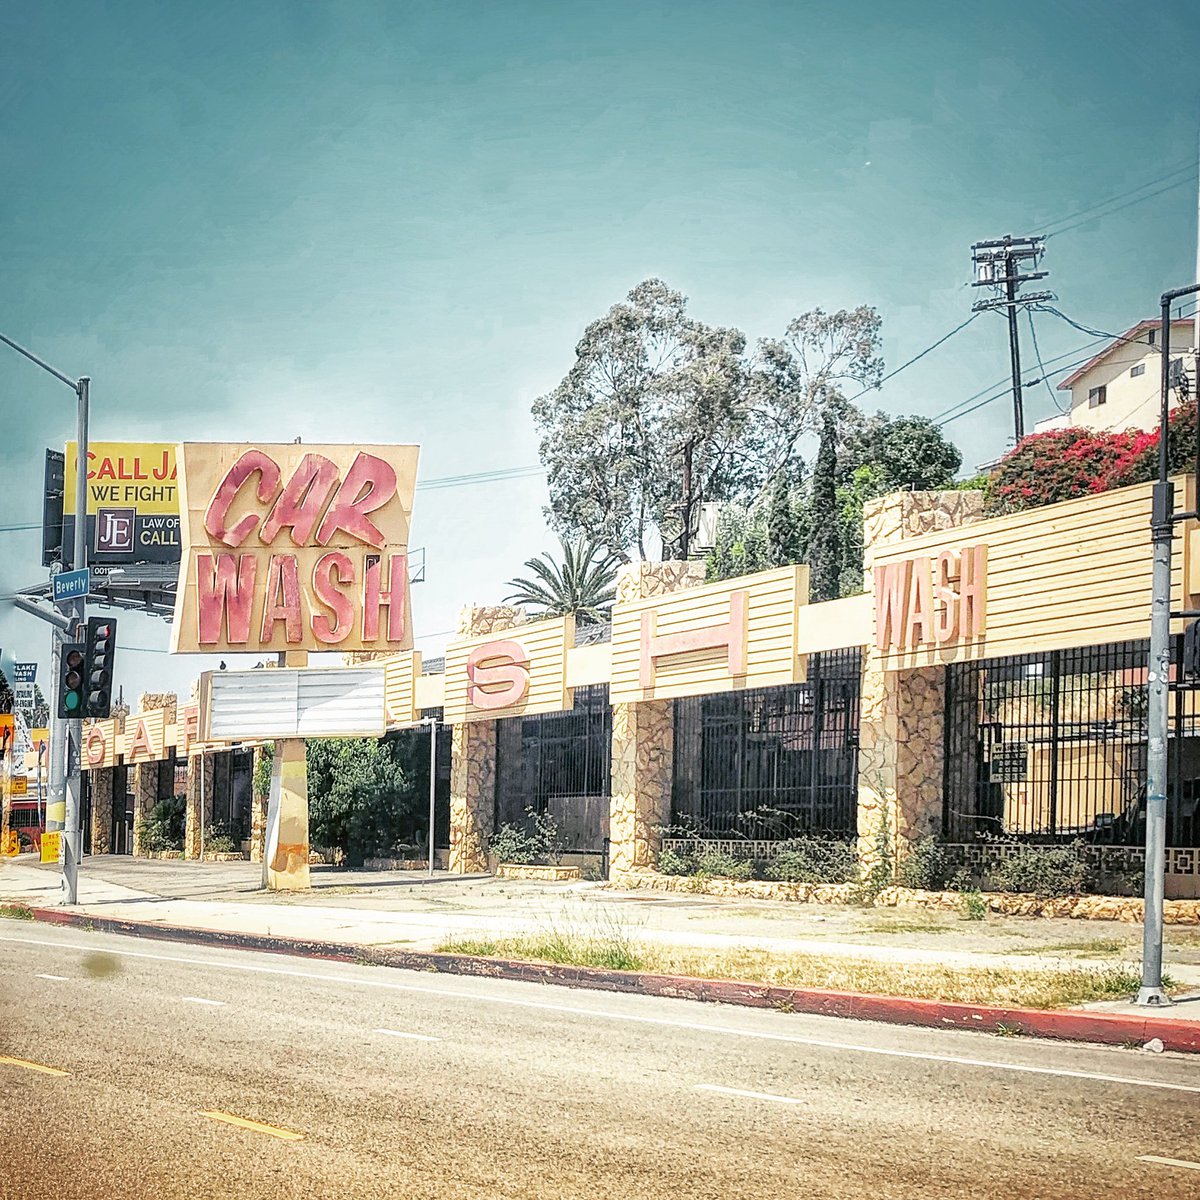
(496, 476)
(1037, 354)
(1121, 207)
(915, 358)
(1187, 165)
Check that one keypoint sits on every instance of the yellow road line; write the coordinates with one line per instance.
(287, 1135)
(31, 1066)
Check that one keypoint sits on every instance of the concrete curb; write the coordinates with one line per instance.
(1075, 1025)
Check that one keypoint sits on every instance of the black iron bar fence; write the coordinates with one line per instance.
(1051, 747)
(772, 763)
(560, 763)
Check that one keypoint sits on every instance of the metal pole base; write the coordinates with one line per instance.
(1153, 997)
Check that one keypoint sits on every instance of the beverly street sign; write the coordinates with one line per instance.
(70, 585)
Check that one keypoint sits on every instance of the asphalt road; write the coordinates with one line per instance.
(403, 1084)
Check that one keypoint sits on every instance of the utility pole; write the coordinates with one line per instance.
(1163, 519)
(685, 538)
(72, 847)
(1006, 255)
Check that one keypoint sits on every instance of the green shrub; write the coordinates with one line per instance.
(973, 906)
(925, 866)
(1044, 871)
(162, 827)
(676, 862)
(536, 842)
(719, 864)
(220, 840)
(813, 860)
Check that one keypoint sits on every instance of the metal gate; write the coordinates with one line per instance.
(559, 763)
(772, 762)
(1052, 746)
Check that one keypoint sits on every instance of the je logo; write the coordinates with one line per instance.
(114, 530)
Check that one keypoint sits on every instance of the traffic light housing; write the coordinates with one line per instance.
(71, 705)
(99, 652)
(1190, 666)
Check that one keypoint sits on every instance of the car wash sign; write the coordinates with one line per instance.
(294, 547)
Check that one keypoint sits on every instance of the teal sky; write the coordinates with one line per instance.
(388, 222)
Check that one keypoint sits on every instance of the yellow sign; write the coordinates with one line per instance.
(10, 846)
(140, 475)
(7, 732)
(19, 786)
(39, 737)
(50, 847)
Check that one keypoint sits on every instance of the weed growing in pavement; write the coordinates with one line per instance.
(1003, 1029)
(1036, 988)
(16, 912)
(973, 906)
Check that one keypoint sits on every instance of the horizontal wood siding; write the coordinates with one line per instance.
(546, 644)
(400, 675)
(775, 600)
(1071, 574)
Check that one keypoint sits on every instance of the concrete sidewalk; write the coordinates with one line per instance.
(415, 912)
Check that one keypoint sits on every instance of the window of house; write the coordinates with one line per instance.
(1139, 369)
(1097, 396)
(1153, 335)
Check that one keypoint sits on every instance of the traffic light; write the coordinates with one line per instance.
(1190, 666)
(100, 650)
(70, 682)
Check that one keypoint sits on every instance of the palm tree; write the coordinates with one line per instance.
(584, 583)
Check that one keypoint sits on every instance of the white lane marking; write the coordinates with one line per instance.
(416, 1037)
(57, 978)
(632, 1018)
(1169, 1162)
(201, 1000)
(728, 1091)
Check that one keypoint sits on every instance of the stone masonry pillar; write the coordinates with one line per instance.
(200, 774)
(901, 730)
(643, 737)
(144, 786)
(102, 810)
(473, 760)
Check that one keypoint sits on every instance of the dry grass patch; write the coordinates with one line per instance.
(1048, 988)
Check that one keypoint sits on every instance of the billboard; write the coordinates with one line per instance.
(132, 503)
(294, 547)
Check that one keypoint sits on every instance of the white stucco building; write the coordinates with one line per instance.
(1118, 388)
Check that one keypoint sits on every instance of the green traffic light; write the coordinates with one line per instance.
(71, 701)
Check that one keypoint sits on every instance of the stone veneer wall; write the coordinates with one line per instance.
(144, 776)
(901, 729)
(643, 737)
(473, 759)
(200, 776)
(101, 791)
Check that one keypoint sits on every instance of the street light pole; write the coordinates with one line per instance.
(67, 760)
(1163, 517)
